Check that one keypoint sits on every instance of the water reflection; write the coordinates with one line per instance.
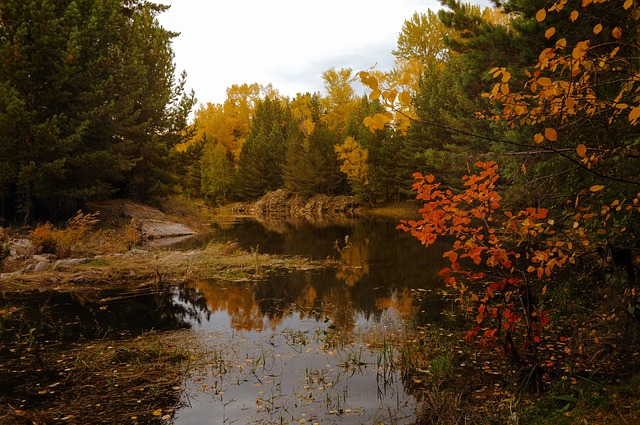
(92, 314)
(303, 345)
(309, 346)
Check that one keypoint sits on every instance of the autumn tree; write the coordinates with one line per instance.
(354, 161)
(422, 38)
(554, 90)
(89, 106)
(340, 98)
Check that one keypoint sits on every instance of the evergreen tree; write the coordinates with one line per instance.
(262, 158)
(88, 103)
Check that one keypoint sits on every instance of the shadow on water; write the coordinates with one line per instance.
(291, 347)
(86, 315)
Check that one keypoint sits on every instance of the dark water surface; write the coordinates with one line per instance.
(313, 347)
(294, 347)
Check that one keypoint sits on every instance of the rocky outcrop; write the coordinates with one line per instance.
(286, 204)
(152, 225)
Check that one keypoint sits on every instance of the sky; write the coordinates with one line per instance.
(286, 43)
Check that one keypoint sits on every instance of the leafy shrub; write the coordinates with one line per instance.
(63, 242)
(133, 234)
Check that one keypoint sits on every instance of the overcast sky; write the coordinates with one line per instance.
(288, 43)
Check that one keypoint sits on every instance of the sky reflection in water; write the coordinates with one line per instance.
(310, 347)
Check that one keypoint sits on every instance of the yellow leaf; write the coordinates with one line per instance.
(506, 76)
(551, 134)
(597, 29)
(372, 82)
(524, 169)
(405, 98)
(561, 44)
(627, 4)
(375, 94)
(616, 32)
(549, 33)
(157, 412)
(596, 188)
(538, 138)
(545, 81)
(541, 15)
(379, 120)
(580, 50)
(582, 150)
(574, 15)
(634, 114)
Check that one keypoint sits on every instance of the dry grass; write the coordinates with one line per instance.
(129, 381)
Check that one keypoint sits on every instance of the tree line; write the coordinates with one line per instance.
(89, 105)
(90, 109)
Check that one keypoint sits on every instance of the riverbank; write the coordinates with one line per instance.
(52, 353)
(56, 370)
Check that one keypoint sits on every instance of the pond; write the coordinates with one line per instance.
(312, 346)
(316, 346)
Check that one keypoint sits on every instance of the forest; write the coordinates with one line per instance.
(512, 129)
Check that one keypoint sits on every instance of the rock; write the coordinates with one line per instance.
(10, 275)
(138, 211)
(44, 257)
(285, 203)
(156, 229)
(41, 266)
(22, 248)
(72, 262)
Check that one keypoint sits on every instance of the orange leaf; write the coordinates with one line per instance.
(580, 50)
(574, 15)
(538, 138)
(549, 33)
(524, 169)
(597, 29)
(545, 81)
(582, 150)
(634, 114)
(596, 188)
(616, 32)
(551, 134)
(541, 15)
(627, 4)
(544, 290)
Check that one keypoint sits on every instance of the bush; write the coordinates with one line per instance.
(64, 242)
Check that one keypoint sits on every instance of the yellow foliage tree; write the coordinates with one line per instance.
(354, 163)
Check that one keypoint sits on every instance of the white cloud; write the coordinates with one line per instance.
(287, 43)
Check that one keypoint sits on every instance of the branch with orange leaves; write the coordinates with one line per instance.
(378, 121)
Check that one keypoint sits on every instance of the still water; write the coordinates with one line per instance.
(316, 346)
(313, 346)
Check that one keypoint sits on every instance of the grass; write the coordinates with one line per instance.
(117, 381)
